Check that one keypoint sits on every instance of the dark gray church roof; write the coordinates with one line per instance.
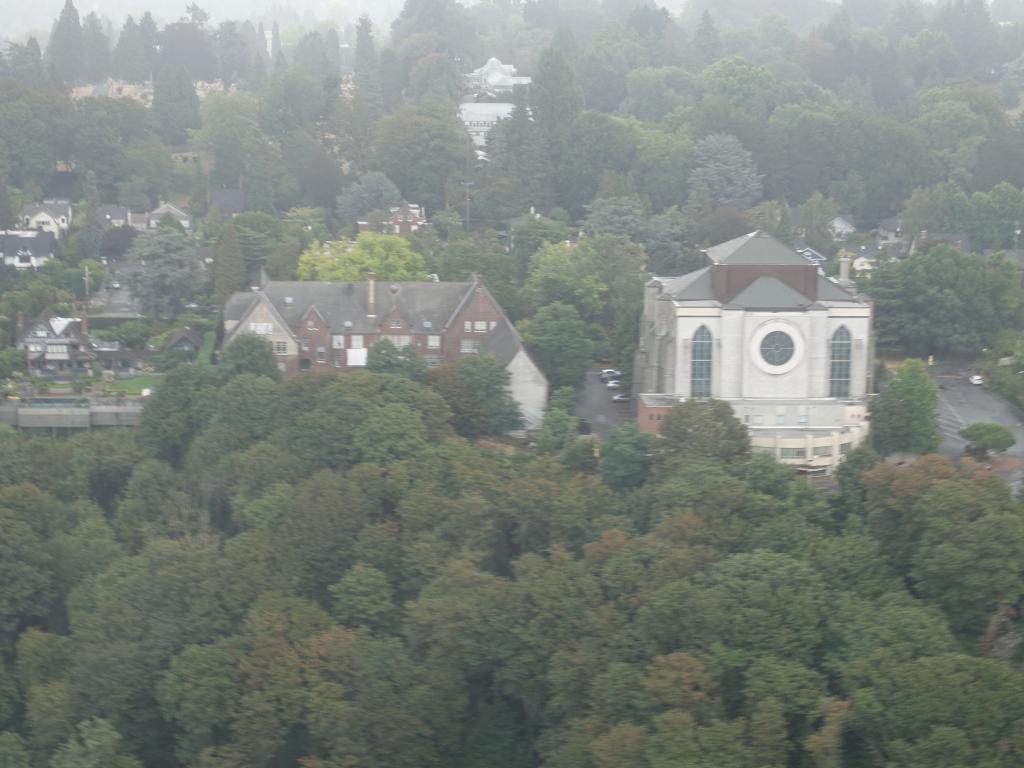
(757, 248)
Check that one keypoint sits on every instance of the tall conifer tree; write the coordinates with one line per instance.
(64, 52)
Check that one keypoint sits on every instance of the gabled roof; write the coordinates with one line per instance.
(504, 342)
(427, 306)
(113, 211)
(757, 248)
(52, 208)
(770, 293)
(37, 242)
(165, 208)
(228, 201)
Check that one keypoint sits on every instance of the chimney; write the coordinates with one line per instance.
(371, 294)
(844, 269)
(83, 324)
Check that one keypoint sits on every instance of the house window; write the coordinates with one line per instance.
(356, 342)
(433, 342)
(321, 354)
(304, 364)
(396, 322)
(311, 324)
(261, 329)
(339, 360)
(780, 418)
(280, 347)
(793, 453)
(338, 341)
(469, 347)
(822, 450)
(480, 326)
(305, 346)
(467, 326)
(700, 366)
(433, 361)
(839, 373)
(802, 418)
(399, 341)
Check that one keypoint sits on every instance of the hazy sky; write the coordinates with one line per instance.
(20, 18)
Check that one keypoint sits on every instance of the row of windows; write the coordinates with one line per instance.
(703, 356)
(478, 326)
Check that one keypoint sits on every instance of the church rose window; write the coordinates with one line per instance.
(777, 348)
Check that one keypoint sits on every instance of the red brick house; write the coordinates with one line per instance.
(326, 326)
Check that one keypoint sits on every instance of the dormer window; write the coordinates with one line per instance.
(311, 324)
(396, 322)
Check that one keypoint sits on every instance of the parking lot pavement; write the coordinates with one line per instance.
(594, 405)
(962, 403)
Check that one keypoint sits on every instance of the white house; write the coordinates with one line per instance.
(166, 209)
(480, 117)
(841, 228)
(26, 249)
(494, 77)
(53, 216)
(761, 328)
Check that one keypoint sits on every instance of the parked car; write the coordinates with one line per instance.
(621, 397)
(115, 285)
(976, 380)
(613, 384)
(608, 374)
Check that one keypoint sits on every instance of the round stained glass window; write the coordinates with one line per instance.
(777, 348)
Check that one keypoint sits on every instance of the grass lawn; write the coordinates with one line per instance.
(209, 339)
(133, 385)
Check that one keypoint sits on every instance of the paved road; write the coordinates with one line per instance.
(594, 404)
(962, 403)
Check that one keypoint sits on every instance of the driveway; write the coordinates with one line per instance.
(962, 403)
(594, 404)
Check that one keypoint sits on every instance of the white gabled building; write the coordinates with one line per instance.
(761, 328)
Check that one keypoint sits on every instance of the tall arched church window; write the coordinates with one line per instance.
(700, 367)
(839, 371)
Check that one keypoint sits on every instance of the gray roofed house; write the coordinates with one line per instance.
(114, 215)
(323, 326)
(53, 216)
(230, 202)
(26, 249)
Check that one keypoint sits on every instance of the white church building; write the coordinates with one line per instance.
(761, 328)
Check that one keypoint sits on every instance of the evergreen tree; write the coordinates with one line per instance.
(64, 52)
(95, 50)
(150, 35)
(707, 41)
(556, 98)
(367, 68)
(332, 53)
(175, 104)
(276, 54)
(25, 62)
(7, 219)
(228, 266)
(129, 58)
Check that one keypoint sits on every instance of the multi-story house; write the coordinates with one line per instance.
(53, 216)
(60, 347)
(321, 326)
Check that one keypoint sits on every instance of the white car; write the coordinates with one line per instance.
(622, 397)
(614, 384)
(976, 380)
(607, 374)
